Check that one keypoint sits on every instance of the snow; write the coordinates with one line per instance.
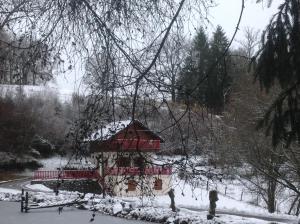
(197, 198)
(39, 187)
(117, 208)
(131, 209)
(109, 130)
(8, 190)
(188, 198)
(9, 194)
(192, 202)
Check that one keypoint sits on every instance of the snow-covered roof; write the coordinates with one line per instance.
(109, 130)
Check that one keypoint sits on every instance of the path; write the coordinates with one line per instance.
(10, 214)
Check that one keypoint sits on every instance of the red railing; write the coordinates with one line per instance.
(115, 171)
(92, 174)
(66, 174)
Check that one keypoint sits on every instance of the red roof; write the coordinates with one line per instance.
(125, 136)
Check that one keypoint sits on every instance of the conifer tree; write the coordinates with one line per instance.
(202, 81)
(195, 68)
(278, 65)
(217, 80)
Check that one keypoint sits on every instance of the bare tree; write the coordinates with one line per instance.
(250, 42)
(125, 47)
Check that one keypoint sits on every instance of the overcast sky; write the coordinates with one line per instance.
(256, 15)
(225, 14)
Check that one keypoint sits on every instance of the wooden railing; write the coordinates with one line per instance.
(116, 171)
(66, 174)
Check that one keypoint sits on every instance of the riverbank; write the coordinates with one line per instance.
(11, 175)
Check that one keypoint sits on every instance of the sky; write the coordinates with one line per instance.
(226, 14)
(256, 15)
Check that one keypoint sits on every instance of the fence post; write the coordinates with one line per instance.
(22, 200)
(26, 202)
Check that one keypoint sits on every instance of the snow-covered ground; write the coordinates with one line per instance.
(154, 209)
(39, 187)
(7, 194)
(187, 197)
(192, 202)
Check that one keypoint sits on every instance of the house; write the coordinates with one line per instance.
(124, 152)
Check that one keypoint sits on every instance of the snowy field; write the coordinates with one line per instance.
(155, 209)
(192, 202)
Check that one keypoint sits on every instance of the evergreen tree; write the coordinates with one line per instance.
(194, 70)
(217, 80)
(203, 81)
(278, 64)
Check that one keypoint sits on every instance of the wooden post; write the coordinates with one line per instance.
(213, 198)
(22, 200)
(26, 202)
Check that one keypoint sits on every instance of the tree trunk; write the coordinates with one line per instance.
(293, 204)
(173, 93)
(172, 196)
(271, 195)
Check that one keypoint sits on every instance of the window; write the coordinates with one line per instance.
(139, 161)
(158, 184)
(131, 185)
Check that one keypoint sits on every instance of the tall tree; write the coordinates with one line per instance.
(204, 79)
(218, 79)
(278, 64)
(195, 69)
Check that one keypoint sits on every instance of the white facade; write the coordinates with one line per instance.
(122, 177)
